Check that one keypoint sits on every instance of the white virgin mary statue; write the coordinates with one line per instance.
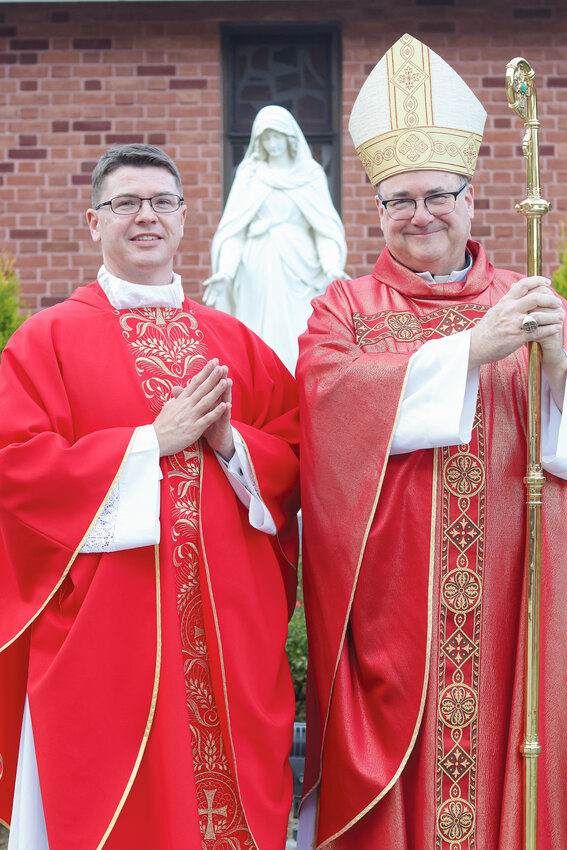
(280, 241)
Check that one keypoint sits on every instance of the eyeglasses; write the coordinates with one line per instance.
(130, 204)
(441, 203)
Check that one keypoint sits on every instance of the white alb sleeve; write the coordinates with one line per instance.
(553, 432)
(27, 827)
(130, 518)
(241, 479)
(306, 834)
(439, 401)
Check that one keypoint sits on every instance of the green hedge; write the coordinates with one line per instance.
(559, 276)
(11, 313)
(296, 648)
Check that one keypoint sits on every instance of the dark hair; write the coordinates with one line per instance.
(140, 156)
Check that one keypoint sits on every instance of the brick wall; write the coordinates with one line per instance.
(478, 40)
(76, 78)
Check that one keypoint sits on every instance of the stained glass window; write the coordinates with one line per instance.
(295, 66)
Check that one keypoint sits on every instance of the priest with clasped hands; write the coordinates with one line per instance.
(412, 384)
(149, 464)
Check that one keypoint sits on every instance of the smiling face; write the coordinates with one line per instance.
(138, 248)
(425, 242)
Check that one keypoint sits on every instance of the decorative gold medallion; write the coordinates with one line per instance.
(460, 616)
(461, 582)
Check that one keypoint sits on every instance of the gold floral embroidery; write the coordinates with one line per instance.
(168, 349)
(456, 821)
(464, 475)
(457, 705)
(461, 590)
(407, 327)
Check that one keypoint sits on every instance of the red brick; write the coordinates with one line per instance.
(92, 43)
(188, 84)
(91, 126)
(531, 14)
(124, 138)
(29, 44)
(28, 234)
(27, 153)
(156, 77)
(50, 301)
(435, 26)
(156, 70)
(63, 247)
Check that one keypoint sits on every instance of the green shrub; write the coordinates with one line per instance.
(11, 313)
(296, 648)
(559, 276)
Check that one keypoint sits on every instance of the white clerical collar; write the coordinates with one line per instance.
(124, 295)
(454, 277)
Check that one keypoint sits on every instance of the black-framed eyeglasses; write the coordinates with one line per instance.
(442, 203)
(130, 204)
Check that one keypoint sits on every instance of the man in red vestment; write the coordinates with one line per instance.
(148, 524)
(412, 384)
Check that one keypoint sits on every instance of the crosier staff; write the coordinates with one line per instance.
(521, 93)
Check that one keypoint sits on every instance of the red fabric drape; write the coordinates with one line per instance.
(375, 533)
(106, 681)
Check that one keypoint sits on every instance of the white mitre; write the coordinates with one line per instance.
(414, 112)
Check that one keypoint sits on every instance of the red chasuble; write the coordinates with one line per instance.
(160, 695)
(413, 580)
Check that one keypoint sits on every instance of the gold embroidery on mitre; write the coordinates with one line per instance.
(409, 84)
(415, 142)
(421, 148)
